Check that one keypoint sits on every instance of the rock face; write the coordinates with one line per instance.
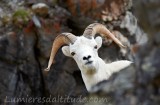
(138, 84)
(26, 37)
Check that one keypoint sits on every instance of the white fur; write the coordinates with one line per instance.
(98, 70)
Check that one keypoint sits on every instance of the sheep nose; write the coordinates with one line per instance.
(86, 58)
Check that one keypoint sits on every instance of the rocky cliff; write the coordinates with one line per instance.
(27, 33)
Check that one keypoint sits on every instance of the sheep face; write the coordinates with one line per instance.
(84, 52)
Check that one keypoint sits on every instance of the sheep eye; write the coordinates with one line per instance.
(95, 47)
(73, 53)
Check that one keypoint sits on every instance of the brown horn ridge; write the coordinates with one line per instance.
(94, 28)
(64, 38)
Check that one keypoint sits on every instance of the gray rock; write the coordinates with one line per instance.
(24, 52)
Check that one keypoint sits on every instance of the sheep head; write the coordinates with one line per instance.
(84, 52)
(83, 49)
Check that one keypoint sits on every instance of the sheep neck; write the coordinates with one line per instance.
(92, 77)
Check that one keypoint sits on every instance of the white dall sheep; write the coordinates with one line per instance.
(84, 50)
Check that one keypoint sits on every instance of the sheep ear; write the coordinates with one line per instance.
(98, 39)
(65, 50)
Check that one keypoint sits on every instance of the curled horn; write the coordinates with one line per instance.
(94, 28)
(64, 38)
